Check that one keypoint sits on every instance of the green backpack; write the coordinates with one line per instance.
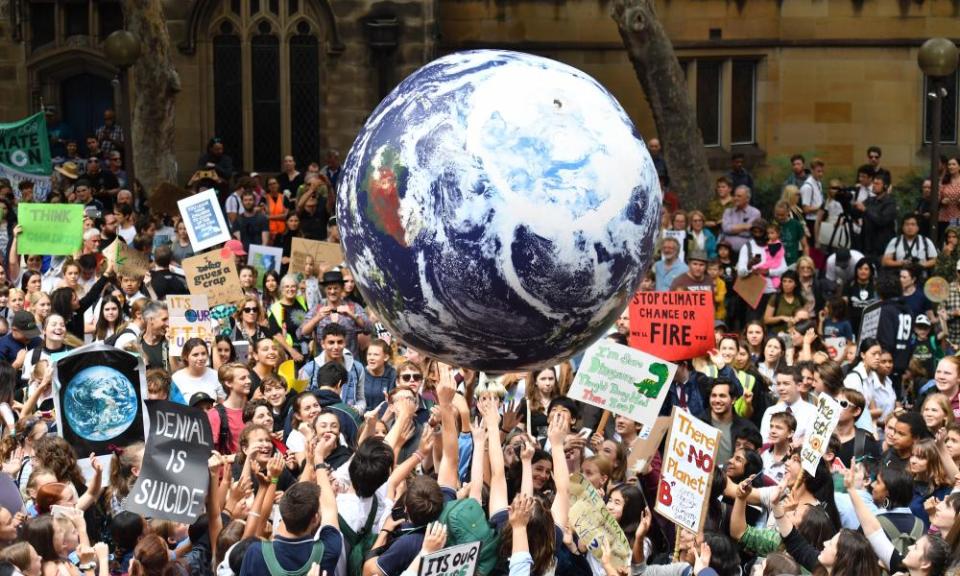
(467, 523)
(359, 543)
(901, 540)
(270, 557)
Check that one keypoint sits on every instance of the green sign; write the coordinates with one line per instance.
(25, 154)
(50, 229)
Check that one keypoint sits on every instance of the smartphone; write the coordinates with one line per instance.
(398, 513)
(585, 433)
(60, 511)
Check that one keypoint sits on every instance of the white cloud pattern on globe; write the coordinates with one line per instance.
(498, 210)
(99, 403)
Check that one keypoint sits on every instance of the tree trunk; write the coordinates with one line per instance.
(156, 84)
(665, 88)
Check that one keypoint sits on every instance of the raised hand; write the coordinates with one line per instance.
(521, 510)
(435, 538)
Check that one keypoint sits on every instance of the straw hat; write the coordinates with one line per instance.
(69, 169)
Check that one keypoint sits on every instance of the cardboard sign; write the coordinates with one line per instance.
(815, 444)
(164, 198)
(50, 229)
(593, 523)
(215, 277)
(870, 322)
(99, 398)
(129, 262)
(459, 560)
(173, 480)
(204, 220)
(622, 380)
(647, 442)
(329, 253)
(687, 471)
(672, 325)
(264, 259)
(750, 288)
(189, 318)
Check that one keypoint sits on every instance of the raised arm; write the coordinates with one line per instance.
(559, 425)
(478, 434)
(738, 517)
(446, 390)
(328, 499)
(498, 473)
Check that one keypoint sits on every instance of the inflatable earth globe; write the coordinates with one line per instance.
(498, 210)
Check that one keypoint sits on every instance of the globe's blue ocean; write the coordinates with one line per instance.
(100, 403)
(498, 210)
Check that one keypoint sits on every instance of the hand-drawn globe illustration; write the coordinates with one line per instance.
(498, 209)
(100, 403)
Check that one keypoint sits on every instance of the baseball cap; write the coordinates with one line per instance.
(719, 325)
(922, 320)
(200, 397)
(26, 323)
(235, 247)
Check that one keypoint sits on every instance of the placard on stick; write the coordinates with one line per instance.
(687, 471)
(672, 325)
(129, 262)
(189, 318)
(623, 380)
(816, 443)
(214, 276)
(50, 229)
(204, 220)
(870, 322)
(459, 560)
(173, 481)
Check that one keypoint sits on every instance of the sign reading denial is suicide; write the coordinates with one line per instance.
(672, 325)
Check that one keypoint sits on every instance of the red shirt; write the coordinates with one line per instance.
(234, 422)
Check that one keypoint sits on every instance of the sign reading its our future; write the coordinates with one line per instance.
(623, 380)
(25, 154)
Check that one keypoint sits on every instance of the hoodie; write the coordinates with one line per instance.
(352, 390)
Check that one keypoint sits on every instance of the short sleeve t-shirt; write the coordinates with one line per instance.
(234, 422)
(189, 385)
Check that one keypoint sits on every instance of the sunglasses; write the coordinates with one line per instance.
(844, 404)
(411, 377)
(250, 310)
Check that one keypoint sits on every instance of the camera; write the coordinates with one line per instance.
(844, 196)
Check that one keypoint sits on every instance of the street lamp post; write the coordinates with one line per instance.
(122, 49)
(937, 59)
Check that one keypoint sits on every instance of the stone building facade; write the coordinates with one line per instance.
(272, 77)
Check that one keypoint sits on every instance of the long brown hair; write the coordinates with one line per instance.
(855, 557)
(121, 471)
(151, 557)
(55, 454)
(543, 550)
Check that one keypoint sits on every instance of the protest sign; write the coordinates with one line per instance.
(25, 155)
(459, 560)
(129, 262)
(622, 380)
(835, 346)
(264, 259)
(687, 471)
(50, 229)
(593, 523)
(214, 276)
(647, 442)
(672, 325)
(189, 318)
(173, 480)
(328, 253)
(750, 288)
(815, 444)
(99, 398)
(870, 322)
(164, 198)
(204, 220)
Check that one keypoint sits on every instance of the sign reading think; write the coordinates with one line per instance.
(25, 155)
(213, 276)
(622, 380)
(173, 481)
(593, 523)
(50, 229)
(459, 560)
(672, 325)
(815, 444)
(687, 471)
(189, 318)
(204, 220)
(328, 253)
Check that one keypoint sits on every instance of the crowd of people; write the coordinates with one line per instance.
(388, 455)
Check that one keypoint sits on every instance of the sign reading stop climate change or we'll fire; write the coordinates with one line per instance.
(672, 325)
(687, 471)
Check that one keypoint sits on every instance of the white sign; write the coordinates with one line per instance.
(459, 560)
(816, 442)
(204, 220)
(870, 322)
(623, 380)
(687, 471)
(189, 318)
(264, 258)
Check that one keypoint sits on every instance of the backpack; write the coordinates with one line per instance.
(274, 567)
(111, 340)
(224, 436)
(359, 543)
(901, 540)
(467, 523)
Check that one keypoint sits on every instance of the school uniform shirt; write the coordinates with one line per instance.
(355, 510)
(405, 548)
(293, 553)
(803, 411)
